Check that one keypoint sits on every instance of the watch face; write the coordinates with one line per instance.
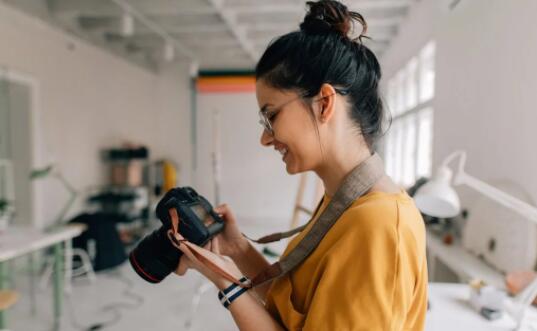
(203, 215)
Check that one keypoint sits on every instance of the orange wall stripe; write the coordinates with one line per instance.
(225, 84)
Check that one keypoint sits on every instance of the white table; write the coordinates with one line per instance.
(450, 310)
(464, 264)
(18, 241)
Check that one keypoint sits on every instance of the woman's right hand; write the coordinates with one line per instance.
(229, 242)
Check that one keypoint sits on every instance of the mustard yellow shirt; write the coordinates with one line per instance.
(368, 273)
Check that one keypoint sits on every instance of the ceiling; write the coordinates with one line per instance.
(216, 34)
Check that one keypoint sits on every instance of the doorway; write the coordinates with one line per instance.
(16, 93)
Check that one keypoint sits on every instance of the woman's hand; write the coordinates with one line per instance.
(207, 261)
(229, 242)
(248, 312)
(232, 243)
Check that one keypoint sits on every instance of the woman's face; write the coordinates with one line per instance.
(295, 136)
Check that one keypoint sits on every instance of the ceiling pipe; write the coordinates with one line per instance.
(155, 28)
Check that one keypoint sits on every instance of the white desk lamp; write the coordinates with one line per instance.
(437, 198)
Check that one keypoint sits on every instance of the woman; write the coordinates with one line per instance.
(321, 109)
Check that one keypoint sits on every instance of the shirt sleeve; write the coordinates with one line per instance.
(357, 289)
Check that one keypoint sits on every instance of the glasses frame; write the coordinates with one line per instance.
(265, 116)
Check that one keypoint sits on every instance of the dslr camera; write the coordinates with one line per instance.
(155, 257)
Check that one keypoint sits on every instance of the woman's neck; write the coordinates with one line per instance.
(336, 169)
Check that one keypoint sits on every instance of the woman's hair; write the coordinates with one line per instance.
(322, 51)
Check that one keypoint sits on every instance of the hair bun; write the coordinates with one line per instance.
(331, 16)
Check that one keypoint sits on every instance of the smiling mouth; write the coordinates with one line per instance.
(283, 152)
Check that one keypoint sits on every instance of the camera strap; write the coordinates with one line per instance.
(282, 235)
(358, 182)
(209, 259)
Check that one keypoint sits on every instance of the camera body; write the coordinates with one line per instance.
(155, 257)
(198, 221)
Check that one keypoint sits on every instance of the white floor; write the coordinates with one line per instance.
(122, 301)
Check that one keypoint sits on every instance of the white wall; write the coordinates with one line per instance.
(486, 78)
(88, 100)
(414, 32)
(254, 180)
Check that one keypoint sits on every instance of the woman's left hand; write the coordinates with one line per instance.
(193, 257)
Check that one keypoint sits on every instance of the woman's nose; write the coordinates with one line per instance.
(266, 138)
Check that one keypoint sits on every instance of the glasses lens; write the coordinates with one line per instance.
(265, 122)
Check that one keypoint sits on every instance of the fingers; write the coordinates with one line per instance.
(188, 253)
(225, 212)
(178, 241)
(184, 265)
(215, 246)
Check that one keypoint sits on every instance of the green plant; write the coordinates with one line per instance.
(4, 205)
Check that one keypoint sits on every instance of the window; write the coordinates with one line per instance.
(412, 84)
(408, 145)
(427, 72)
(400, 93)
(425, 139)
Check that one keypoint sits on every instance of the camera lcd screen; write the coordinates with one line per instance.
(203, 215)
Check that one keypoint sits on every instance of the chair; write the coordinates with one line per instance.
(84, 267)
(7, 299)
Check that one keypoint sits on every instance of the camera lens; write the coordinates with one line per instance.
(155, 257)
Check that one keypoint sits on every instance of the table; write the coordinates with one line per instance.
(464, 264)
(18, 241)
(451, 310)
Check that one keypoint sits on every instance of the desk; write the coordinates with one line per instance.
(466, 265)
(450, 310)
(18, 241)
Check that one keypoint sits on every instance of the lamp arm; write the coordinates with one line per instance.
(518, 306)
(65, 183)
(519, 206)
(461, 177)
(525, 298)
(452, 156)
(60, 219)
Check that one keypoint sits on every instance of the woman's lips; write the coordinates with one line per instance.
(283, 151)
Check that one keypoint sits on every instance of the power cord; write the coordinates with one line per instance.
(113, 308)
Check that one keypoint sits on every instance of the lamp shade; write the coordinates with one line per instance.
(437, 198)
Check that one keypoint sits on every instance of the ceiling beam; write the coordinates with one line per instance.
(155, 28)
(371, 23)
(150, 40)
(111, 23)
(179, 8)
(238, 32)
(260, 38)
(149, 8)
(301, 8)
(193, 25)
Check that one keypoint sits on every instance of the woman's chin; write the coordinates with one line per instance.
(291, 168)
(291, 171)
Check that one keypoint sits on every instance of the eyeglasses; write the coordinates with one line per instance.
(266, 116)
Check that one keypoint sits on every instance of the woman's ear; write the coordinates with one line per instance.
(327, 102)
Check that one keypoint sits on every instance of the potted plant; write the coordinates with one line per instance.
(5, 213)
